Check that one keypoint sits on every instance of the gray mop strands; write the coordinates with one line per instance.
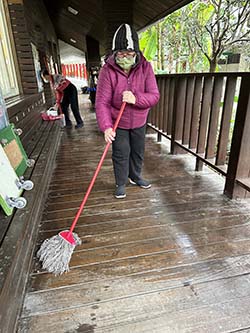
(55, 253)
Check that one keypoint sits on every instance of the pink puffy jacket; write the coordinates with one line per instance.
(113, 81)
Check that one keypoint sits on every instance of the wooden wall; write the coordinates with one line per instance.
(30, 23)
(22, 42)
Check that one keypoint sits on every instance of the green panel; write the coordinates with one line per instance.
(7, 135)
(6, 208)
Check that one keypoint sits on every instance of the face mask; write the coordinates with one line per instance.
(125, 63)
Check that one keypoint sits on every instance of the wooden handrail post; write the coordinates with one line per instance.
(239, 161)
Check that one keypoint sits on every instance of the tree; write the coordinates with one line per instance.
(170, 43)
(196, 35)
(218, 25)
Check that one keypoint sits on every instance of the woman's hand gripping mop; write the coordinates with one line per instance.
(55, 253)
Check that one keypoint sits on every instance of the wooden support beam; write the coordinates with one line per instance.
(93, 52)
(239, 161)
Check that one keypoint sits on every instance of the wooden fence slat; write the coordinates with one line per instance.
(26, 61)
(23, 49)
(160, 110)
(151, 115)
(225, 121)
(239, 161)
(20, 28)
(178, 113)
(157, 107)
(195, 112)
(170, 105)
(214, 118)
(18, 13)
(204, 116)
(188, 113)
(161, 104)
(149, 120)
(18, 21)
(166, 106)
(16, 7)
(244, 163)
(21, 35)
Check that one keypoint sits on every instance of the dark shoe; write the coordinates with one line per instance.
(68, 126)
(79, 125)
(141, 182)
(120, 192)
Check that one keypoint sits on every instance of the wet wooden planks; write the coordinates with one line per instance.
(175, 258)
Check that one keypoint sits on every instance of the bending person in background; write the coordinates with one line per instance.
(66, 95)
(126, 77)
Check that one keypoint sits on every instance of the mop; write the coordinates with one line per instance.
(55, 253)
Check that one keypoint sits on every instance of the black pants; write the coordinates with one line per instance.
(128, 153)
(70, 97)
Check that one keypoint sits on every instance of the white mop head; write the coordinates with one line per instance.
(55, 254)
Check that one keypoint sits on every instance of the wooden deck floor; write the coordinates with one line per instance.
(175, 258)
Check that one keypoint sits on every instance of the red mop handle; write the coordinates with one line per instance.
(96, 172)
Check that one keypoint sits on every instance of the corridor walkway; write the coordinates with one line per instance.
(172, 259)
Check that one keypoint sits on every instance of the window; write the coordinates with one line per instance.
(8, 80)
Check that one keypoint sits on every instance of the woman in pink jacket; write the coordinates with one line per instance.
(126, 77)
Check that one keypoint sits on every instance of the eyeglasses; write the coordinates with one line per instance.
(128, 54)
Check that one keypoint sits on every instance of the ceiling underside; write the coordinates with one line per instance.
(92, 16)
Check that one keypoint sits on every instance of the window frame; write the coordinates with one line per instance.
(8, 39)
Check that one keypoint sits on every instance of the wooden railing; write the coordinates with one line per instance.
(208, 115)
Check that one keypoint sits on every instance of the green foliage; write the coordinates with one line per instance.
(204, 13)
(144, 37)
(194, 37)
(148, 43)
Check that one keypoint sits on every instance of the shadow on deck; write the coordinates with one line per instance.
(175, 258)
